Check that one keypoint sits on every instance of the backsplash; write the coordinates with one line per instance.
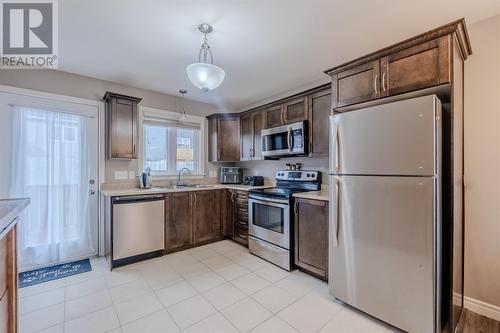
(268, 168)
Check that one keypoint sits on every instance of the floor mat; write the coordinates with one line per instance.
(55, 272)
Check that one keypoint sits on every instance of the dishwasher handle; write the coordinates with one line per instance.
(137, 198)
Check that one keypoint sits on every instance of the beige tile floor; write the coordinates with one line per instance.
(214, 288)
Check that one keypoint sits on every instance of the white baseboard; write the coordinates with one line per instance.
(482, 308)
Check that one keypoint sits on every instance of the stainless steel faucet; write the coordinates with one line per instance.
(179, 178)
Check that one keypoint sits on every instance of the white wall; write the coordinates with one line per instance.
(68, 84)
(482, 163)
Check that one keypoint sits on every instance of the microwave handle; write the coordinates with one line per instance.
(290, 139)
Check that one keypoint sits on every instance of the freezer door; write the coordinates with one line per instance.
(391, 139)
(383, 236)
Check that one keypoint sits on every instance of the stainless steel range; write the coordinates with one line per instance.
(271, 218)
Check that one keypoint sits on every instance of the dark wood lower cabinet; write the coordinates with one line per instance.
(178, 220)
(236, 212)
(193, 218)
(207, 222)
(311, 236)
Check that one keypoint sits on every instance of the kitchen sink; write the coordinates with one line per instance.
(173, 187)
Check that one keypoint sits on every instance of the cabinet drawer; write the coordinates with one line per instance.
(241, 235)
(242, 224)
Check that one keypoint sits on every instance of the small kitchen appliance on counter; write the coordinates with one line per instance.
(271, 218)
(231, 175)
(144, 178)
(254, 180)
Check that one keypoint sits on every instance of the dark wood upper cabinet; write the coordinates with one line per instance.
(420, 62)
(319, 113)
(288, 112)
(178, 220)
(311, 236)
(421, 66)
(357, 84)
(295, 110)
(258, 122)
(246, 126)
(121, 117)
(274, 116)
(224, 138)
(207, 222)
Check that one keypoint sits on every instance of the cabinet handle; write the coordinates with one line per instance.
(133, 150)
(375, 84)
(281, 116)
(284, 116)
(218, 153)
(242, 236)
(190, 199)
(195, 199)
(232, 196)
(242, 223)
(310, 146)
(383, 81)
(296, 208)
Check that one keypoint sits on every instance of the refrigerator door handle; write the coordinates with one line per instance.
(336, 214)
(337, 152)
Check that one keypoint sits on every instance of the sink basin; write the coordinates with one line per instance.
(174, 187)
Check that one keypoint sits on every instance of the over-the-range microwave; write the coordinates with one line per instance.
(284, 140)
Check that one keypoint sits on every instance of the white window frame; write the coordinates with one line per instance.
(148, 112)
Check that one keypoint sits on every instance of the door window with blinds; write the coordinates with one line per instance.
(170, 145)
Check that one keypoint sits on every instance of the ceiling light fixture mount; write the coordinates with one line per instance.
(204, 74)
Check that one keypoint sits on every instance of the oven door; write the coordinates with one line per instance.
(284, 140)
(269, 220)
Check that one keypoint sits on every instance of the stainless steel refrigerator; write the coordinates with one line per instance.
(385, 212)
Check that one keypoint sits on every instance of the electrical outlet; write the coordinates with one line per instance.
(131, 175)
(121, 175)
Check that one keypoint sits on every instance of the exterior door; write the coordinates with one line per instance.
(52, 146)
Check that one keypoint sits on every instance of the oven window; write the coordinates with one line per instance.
(268, 217)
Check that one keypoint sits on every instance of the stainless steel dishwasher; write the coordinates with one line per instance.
(138, 228)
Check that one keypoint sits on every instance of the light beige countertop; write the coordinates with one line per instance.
(9, 210)
(313, 195)
(157, 190)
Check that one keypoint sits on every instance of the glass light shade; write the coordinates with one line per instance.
(205, 76)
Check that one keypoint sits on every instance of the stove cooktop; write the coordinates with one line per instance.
(277, 192)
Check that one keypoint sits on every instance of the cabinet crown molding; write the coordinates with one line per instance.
(456, 28)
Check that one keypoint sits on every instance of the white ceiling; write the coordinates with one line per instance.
(266, 47)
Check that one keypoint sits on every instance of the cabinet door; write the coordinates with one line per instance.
(123, 128)
(179, 220)
(258, 124)
(228, 213)
(246, 137)
(421, 66)
(228, 136)
(295, 110)
(206, 216)
(274, 116)
(319, 112)
(212, 139)
(355, 85)
(311, 236)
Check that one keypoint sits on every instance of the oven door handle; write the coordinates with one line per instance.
(269, 202)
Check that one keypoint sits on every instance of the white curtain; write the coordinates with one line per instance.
(50, 165)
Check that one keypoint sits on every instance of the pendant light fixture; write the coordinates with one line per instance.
(204, 74)
(183, 116)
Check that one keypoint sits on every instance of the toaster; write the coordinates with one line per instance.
(254, 180)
